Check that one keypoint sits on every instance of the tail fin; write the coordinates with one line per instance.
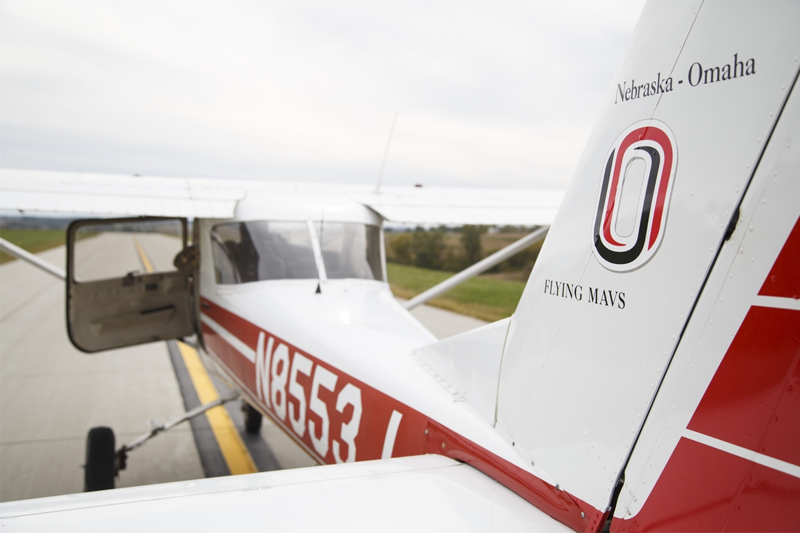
(654, 270)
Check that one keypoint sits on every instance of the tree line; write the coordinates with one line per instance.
(454, 249)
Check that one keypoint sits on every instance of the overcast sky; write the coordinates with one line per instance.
(487, 93)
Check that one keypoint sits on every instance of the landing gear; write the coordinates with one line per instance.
(252, 418)
(101, 460)
(103, 463)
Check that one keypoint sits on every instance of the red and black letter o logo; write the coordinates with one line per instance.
(625, 237)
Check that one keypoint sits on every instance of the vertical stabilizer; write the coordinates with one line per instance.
(638, 237)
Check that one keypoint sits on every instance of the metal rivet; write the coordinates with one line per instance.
(426, 431)
(583, 515)
(443, 445)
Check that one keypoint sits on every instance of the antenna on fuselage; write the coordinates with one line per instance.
(386, 153)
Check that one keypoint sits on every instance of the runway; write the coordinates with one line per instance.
(51, 394)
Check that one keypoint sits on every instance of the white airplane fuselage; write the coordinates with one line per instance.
(627, 360)
(334, 362)
(649, 377)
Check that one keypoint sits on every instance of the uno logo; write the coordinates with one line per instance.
(628, 229)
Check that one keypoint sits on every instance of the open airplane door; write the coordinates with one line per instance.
(129, 281)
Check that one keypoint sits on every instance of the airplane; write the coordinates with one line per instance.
(648, 380)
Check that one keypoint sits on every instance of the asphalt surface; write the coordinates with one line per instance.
(51, 394)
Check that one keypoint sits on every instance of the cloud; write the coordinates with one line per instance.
(488, 94)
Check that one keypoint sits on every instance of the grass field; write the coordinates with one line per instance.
(32, 240)
(485, 298)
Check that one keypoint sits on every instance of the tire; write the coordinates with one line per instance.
(252, 419)
(101, 460)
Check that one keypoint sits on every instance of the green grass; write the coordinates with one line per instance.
(484, 298)
(32, 240)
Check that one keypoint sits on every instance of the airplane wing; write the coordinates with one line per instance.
(115, 194)
(422, 493)
(442, 205)
(125, 195)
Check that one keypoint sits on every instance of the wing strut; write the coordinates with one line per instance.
(478, 268)
(156, 428)
(18, 252)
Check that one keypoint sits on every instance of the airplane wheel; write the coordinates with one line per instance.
(101, 458)
(252, 419)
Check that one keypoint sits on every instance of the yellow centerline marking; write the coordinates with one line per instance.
(143, 256)
(230, 443)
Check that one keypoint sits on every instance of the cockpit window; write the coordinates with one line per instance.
(257, 251)
(262, 250)
(351, 250)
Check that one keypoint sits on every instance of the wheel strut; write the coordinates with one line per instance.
(103, 464)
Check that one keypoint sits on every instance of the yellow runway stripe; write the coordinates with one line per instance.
(230, 443)
(143, 256)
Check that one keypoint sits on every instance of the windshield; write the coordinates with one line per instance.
(262, 250)
(256, 251)
(351, 250)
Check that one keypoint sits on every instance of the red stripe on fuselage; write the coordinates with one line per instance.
(376, 407)
(416, 435)
(557, 503)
